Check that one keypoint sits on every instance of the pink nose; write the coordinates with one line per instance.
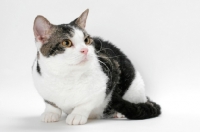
(84, 51)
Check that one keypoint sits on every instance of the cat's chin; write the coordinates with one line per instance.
(82, 62)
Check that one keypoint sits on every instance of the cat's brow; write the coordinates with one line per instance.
(85, 36)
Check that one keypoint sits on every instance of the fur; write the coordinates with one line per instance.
(101, 83)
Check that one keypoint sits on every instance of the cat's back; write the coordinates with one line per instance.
(115, 64)
(107, 48)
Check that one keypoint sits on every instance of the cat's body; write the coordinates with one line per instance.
(85, 77)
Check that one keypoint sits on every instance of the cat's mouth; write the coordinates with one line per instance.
(83, 61)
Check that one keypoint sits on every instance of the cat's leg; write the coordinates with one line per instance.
(134, 104)
(136, 92)
(51, 114)
(80, 114)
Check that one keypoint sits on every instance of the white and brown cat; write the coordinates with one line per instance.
(84, 76)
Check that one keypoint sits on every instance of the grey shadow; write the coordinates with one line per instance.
(33, 123)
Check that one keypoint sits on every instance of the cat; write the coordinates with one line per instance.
(84, 76)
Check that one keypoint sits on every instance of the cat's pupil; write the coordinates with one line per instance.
(86, 40)
(66, 43)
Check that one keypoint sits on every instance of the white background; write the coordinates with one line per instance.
(162, 39)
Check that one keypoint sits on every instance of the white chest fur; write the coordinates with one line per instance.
(68, 88)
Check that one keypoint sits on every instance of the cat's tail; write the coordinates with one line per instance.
(135, 111)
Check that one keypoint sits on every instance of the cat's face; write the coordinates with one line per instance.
(67, 42)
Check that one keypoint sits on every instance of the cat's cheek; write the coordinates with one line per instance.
(91, 52)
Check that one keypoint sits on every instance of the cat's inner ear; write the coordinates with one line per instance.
(42, 29)
(81, 20)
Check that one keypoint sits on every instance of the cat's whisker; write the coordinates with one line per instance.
(103, 48)
(101, 45)
(108, 49)
(69, 74)
(111, 66)
(110, 57)
(105, 66)
(110, 74)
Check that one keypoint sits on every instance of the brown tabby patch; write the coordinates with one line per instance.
(53, 46)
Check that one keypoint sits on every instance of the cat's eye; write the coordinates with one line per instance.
(87, 40)
(66, 43)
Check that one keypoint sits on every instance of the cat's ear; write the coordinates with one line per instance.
(81, 20)
(42, 29)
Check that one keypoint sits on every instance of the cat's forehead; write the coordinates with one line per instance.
(78, 36)
(64, 31)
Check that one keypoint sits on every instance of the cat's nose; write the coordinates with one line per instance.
(84, 50)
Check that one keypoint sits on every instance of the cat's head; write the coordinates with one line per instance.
(67, 42)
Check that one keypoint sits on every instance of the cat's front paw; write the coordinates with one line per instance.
(50, 117)
(74, 119)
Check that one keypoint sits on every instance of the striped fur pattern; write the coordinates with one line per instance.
(86, 77)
